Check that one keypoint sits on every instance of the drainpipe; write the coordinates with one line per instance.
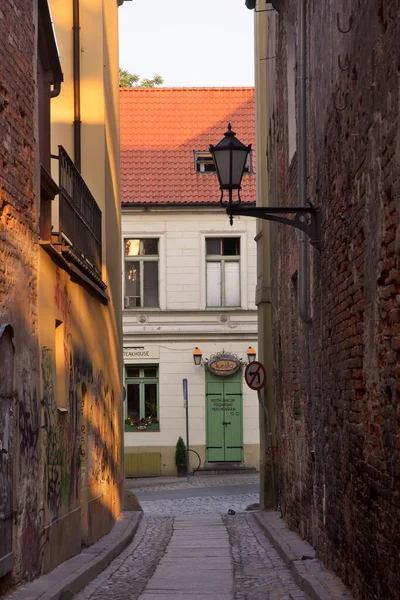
(56, 90)
(77, 83)
(303, 276)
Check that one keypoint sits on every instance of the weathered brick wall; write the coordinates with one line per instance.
(18, 267)
(337, 380)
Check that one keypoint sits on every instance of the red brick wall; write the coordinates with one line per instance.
(337, 380)
(18, 268)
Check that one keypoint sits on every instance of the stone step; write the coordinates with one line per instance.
(223, 468)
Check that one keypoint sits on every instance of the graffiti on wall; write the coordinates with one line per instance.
(28, 419)
(81, 446)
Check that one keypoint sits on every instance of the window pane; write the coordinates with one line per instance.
(150, 284)
(133, 406)
(149, 246)
(232, 284)
(137, 247)
(150, 400)
(132, 372)
(150, 372)
(213, 284)
(231, 246)
(132, 284)
(213, 246)
(132, 247)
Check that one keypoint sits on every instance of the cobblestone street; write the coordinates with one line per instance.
(189, 548)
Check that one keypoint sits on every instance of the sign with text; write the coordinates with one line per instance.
(141, 352)
(223, 364)
(255, 375)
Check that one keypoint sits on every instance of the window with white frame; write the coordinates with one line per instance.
(204, 163)
(141, 273)
(142, 397)
(222, 272)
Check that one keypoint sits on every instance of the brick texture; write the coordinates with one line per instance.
(337, 379)
(18, 270)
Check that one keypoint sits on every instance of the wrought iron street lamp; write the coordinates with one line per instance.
(230, 159)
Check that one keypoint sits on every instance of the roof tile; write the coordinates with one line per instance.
(161, 128)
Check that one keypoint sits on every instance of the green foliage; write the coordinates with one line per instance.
(132, 80)
(180, 453)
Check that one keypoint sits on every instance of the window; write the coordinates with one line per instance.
(142, 398)
(141, 273)
(204, 163)
(223, 272)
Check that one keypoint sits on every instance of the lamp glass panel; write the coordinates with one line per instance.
(232, 284)
(213, 284)
(238, 162)
(222, 158)
(197, 359)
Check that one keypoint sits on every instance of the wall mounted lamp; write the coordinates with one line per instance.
(230, 158)
(251, 354)
(197, 356)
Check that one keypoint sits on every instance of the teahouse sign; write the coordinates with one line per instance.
(142, 352)
(223, 364)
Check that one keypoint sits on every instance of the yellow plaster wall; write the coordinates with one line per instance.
(83, 445)
(83, 440)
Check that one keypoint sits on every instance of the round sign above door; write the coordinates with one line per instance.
(223, 364)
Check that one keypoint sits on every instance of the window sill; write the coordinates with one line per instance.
(223, 308)
(152, 427)
(143, 309)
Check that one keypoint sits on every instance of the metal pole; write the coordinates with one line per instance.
(269, 433)
(187, 438)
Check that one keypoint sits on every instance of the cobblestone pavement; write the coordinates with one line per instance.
(195, 505)
(128, 574)
(198, 506)
(259, 572)
(173, 536)
(151, 484)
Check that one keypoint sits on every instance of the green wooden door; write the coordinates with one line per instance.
(224, 418)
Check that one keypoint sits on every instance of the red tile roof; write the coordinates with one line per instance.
(160, 130)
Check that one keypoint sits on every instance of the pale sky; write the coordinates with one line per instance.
(190, 43)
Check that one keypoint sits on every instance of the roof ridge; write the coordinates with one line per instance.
(169, 89)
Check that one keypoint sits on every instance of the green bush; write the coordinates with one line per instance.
(180, 453)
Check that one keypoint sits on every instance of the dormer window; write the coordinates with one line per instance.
(204, 163)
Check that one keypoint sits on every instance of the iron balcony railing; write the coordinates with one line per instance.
(80, 216)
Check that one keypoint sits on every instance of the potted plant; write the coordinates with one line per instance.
(180, 457)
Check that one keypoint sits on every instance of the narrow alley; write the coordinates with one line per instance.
(192, 540)
(199, 557)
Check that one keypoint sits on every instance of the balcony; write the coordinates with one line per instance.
(80, 217)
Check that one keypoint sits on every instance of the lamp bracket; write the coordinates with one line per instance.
(306, 218)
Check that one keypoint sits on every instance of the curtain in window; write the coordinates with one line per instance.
(213, 284)
(232, 284)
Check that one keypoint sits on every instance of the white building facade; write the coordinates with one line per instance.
(189, 282)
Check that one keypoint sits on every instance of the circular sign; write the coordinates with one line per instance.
(255, 375)
(224, 365)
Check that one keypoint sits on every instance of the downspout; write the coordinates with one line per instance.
(76, 43)
(303, 276)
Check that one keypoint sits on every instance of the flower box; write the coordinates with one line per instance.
(151, 427)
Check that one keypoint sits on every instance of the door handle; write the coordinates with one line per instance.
(226, 423)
